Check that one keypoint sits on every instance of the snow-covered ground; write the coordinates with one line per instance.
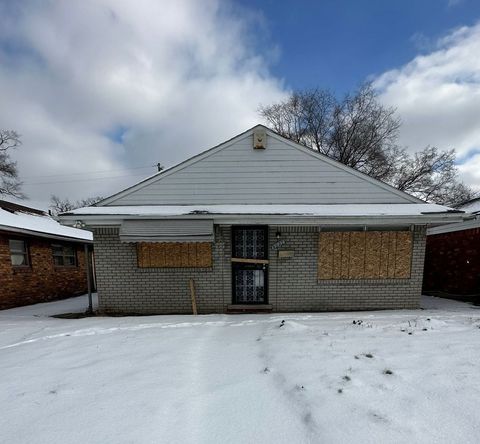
(393, 377)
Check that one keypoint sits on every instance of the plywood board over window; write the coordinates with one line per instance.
(365, 255)
(174, 255)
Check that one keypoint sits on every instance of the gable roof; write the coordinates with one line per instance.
(15, 218)
(13, 206)
(234, 173)
(471, 206)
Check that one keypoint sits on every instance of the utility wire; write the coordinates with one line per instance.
(88, 172)
(82, 180)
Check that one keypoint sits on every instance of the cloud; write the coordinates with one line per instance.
(453, 3)
(104, 85)
(437, 95)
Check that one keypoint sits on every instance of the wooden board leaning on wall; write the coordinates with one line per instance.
(174, 255)
(365, 255)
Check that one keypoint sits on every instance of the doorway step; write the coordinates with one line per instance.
(246, 308)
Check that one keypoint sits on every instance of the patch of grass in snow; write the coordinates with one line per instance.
(387, 372)
(359, 322)
(368, 355)
(347, 378)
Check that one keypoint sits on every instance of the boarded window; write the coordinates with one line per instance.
(174, 255)
(365, 255)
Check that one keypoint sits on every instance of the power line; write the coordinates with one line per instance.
(82, 180)
(88, 172)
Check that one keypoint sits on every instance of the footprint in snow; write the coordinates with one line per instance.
(377, 417)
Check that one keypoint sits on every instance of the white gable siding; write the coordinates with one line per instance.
(238, 174)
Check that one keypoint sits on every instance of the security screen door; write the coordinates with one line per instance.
(250, 264)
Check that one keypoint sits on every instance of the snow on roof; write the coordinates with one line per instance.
(472, 206)
(291, 210)
(39, 224)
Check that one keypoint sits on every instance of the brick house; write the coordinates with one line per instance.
(259, 223)
(452, 262)
(40, 260)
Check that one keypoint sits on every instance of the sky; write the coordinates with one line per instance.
(103, 90)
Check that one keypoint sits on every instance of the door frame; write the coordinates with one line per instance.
(260, 265)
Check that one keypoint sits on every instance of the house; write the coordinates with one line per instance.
(259, 223)
(452, 263)
(40, 259)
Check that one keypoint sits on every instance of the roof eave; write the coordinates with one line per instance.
(97, 220)
(41, 234)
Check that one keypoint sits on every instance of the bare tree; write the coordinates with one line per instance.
(357, 130)
(362, 133)
(431, 174)
(10, 185)
(59, 205)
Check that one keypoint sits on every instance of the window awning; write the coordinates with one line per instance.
(168, 230)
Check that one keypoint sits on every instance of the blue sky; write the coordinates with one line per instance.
(103, 90)
(337, 44)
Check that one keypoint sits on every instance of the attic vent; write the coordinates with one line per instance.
(259, 139)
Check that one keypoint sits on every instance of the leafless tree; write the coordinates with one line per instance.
(431, 174)
(10, 185)
(362, 133)
(59, 205)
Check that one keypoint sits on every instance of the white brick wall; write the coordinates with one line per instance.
(293, 284)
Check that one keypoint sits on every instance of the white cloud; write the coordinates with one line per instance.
(437, 96)
(169, 79)
(453, 3)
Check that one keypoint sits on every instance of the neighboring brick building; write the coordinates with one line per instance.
(452, 262)
(259, 223)
(40, 260)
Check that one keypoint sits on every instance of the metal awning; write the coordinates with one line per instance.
(167, 230)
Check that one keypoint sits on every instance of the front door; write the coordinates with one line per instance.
(250, 264)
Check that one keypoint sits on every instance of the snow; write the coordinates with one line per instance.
(278, 378)
(304, 210)
(40, 224)
(471, 207)
(78, 304)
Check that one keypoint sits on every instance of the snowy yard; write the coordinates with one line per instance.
(393, 377)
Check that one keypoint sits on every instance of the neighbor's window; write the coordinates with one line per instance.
(64, 255)
(365, 255)
(19, 253)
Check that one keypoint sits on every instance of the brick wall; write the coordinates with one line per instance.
(123, 287)
(452, 263)
(42, 281)
(293, 283)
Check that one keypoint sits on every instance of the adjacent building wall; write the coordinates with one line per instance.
(293, 282)
(41, 281)
(452, 263)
